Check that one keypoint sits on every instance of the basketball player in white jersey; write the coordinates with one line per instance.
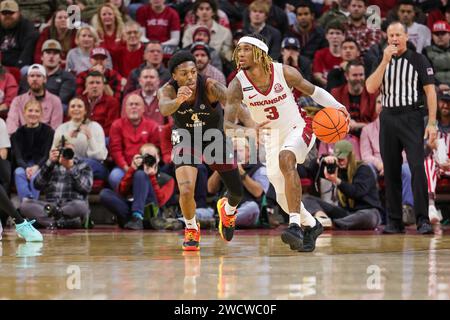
(265, 87)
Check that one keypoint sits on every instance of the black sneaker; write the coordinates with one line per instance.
(293, 236)
(425, 228)
(134, 224)
(310, 236)
(393, 229)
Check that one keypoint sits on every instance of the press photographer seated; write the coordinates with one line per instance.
(359, 204)
(141, 186)
(66, 182)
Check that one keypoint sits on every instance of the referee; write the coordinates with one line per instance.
(404, 77)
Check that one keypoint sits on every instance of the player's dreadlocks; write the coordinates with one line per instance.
(259, 56)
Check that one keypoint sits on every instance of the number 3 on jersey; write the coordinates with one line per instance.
(272, 113)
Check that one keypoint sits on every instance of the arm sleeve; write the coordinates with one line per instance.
(174, 38)
(324, 98)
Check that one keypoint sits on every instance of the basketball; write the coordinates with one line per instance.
(330, 125)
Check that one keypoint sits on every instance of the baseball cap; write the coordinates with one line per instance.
(51, 45)
(9, 5)
(342, 149)
(37, 67)
(444, 95)
(441, 26)
(200, 46)
(290, 42)
(99, 52)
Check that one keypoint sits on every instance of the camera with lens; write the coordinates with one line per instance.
(331, 167)
(148, 160)
(53, 211)
(66, 153)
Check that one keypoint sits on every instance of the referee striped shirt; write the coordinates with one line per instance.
(404, 79)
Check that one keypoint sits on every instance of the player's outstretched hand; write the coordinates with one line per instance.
(183, 94)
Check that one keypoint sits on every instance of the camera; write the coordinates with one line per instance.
(66, 153)
(331, 167)
(53, 211)
(148, 160)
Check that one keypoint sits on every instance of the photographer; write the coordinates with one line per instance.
(359, 205)
(66, 182)
(141, 186)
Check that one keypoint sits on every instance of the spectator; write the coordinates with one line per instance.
(109, 26)
(78, 59)
(99, 62)
(276, 17)
(328, 58)
(439, 54)
(120, 5)
(437, 163)
(38, 12)
(357, 27)
(131, 55)
(153, 57)
(143, 184)
(258, 14)
(310, 35)
(202, 34)
(31, 144)
(5, 165)
(59, 82)
(51, 105)
(103, 108)
(17, 36)
(66, 183)
(128, 134)
(360, 104)
(192, 16)
(206, 12)
(8, 90)
(57, 30)
(359, 203)
(338, 13)
(86, 136)
(349, 51)
(290, 55)
(200, 50)
(418, 34)
(371, 155)
(255, 182)
(161, 22)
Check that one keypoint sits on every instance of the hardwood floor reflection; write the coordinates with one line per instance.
(113, 264)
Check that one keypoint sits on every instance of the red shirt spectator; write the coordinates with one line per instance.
(113, 79)
(104, 110)
(324, 61)
(158, 26)
(8, 91)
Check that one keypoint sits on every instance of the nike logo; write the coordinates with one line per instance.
(251, 97)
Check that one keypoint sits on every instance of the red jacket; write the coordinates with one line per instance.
(367, 104)
(126, 140)
(104, 111)
(162, 192)
(8, 88)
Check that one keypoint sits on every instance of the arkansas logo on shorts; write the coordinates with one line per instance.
(278, 88)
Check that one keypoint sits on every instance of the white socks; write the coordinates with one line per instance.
(294, 218)
(191, 223)
(306, 217)
(229, 210)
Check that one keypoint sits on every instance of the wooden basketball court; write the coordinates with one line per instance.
(108, 263)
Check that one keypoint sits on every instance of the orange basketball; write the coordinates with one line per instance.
(330, 125)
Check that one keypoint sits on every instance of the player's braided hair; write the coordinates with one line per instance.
(259, 56)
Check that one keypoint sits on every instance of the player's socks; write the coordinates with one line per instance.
(229, 210)
(191, 223)
(294, 218)
(306, 218)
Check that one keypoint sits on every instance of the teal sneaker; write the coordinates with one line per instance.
(25, 230)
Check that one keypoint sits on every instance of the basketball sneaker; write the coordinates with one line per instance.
(227, 223)
(293, 236)
(191, 239)
(26, 231)
(310, 235)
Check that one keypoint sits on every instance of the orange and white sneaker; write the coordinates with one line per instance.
(191, 239)
(227, 223)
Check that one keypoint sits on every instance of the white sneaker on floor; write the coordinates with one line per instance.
(324, 220)
(434, 215)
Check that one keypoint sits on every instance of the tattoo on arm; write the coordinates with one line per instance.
(182, 183)
(233, 105)
(218, 91)
(167, 98)
(295, 80)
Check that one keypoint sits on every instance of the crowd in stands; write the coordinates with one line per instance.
(79, 109)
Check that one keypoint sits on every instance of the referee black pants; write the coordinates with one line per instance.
(403, 129)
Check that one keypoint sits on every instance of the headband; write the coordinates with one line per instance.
(256, 42)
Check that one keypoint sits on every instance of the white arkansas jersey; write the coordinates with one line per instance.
(277, 104)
